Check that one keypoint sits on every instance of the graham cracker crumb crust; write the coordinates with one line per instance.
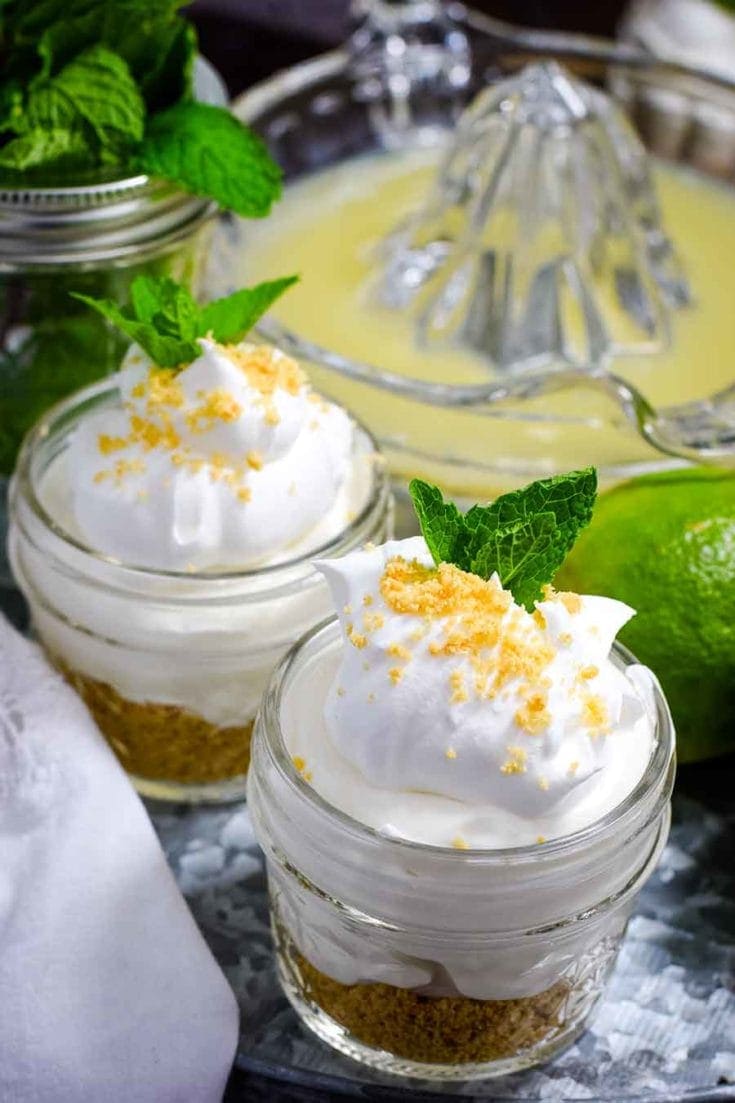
(436, 1029)
(163, 742)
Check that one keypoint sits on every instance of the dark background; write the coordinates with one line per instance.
(248, 40)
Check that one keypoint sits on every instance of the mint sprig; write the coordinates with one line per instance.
(524, 535)
(210, 153)
(166, 322)
(107, 84)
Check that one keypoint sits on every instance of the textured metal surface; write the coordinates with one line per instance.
(665, 1030)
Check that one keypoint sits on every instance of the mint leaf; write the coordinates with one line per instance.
(442, 525)
(167, 350)
(208, 152)
(229, 319)
(166, 321)
(11, 106)
(148, 294)
(176, 315)
(157, 45)
(44, 147)
(94, 91)
(525, 554)
(169, 77)
(524, 535)
(569, 497)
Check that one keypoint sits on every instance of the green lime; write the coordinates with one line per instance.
(665, 544)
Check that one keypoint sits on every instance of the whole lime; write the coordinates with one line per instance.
(665, 544)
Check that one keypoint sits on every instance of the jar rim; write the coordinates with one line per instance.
(23, 483)
(660, 764)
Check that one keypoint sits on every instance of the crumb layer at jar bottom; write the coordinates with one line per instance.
(443, 1030)
(160, 741)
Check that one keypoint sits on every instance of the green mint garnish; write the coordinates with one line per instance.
(164, 319)
(107, 84)
(210, 153)
(525, 535)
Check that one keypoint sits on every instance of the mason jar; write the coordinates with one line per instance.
(171, 664)
(430, 961)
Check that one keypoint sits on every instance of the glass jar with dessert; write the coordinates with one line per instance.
(460, 785)
(162, 524)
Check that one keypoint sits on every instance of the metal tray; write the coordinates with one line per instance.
(664, 1032)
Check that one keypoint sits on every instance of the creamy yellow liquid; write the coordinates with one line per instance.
(326, 228)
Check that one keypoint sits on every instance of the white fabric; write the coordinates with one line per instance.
(108, 992)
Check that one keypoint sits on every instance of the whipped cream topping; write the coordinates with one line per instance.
(230, 462)
(457, 717)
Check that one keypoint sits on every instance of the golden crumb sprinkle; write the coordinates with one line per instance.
(300, 765)
(108, 444)
(347, 610)
(266, 369)
(565, 638)
(398, 651)
(395, 674)
(373, 621)
(161, 388)
(477, 619)
(217, 405)
(540, 839)
(255, 460)
(450, 753)
(594, 713)
(573, 767)
(543, 784)
(533, 716)
(368, 599)
(540, 619)
(159, 433)
(244, 494)
(410, 587)
(459, 843)
(516, 761)
(458, 686)
(587, 673)
(356, 638)
(120, 470)
(571, 602)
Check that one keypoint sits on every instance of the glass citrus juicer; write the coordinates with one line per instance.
(515, 246)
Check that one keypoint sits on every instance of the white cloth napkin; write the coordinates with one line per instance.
(108, 992)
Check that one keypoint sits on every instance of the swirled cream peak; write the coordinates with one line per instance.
(447, 687)
(226, 462)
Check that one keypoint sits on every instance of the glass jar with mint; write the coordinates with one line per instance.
(115, 154)
(91, 240)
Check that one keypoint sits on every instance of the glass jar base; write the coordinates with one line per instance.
(227, 791)
(337, 1036)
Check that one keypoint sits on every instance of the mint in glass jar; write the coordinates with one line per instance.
(111, 166)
